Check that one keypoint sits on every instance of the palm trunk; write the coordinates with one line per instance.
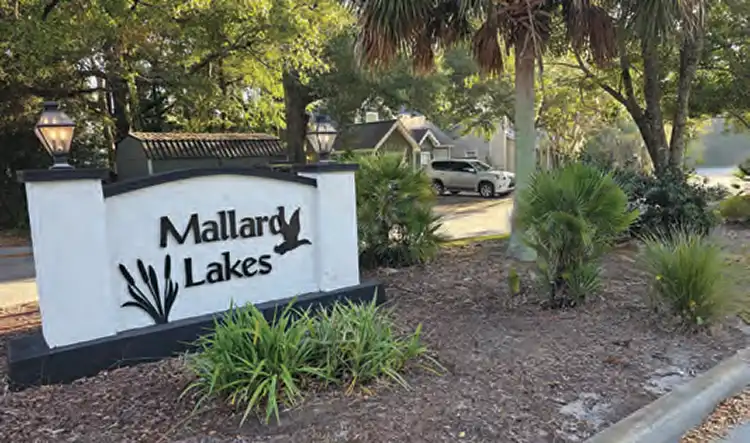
(653, 94)
(525, 140)
(689, 55)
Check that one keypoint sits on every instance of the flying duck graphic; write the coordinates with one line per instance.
(290, 232)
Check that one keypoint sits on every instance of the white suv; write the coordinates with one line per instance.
(458, 175)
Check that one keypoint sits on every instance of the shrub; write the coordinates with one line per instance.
(357, 344)
(669, 201)
(570, 216)
(736, 209)
(251, 362)
(666, 201)
(397, 225)
(744, 167)
(688, 276)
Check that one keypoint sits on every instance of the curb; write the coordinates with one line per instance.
(668, 418)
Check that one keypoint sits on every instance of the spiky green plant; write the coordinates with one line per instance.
(357, 343)
(396, 222)
(252, 362)
(255, 364)
(570, 217)
(691, 277)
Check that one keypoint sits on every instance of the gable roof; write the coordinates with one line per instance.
(363, 135)
(420, 130)
(174, 145)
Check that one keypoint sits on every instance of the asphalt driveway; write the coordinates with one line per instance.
(472, 216)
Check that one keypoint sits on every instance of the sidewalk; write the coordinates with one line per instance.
(17, 284)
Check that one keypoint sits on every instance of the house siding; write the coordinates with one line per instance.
(130, 160)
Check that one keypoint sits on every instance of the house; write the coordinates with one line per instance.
(499, 151)
(377, 137)
(429, 137)
(146, 153)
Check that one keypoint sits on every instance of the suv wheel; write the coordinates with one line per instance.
(438, 187)
(486, 189)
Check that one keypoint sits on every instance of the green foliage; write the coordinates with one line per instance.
(454, 93)
(689, 276)
(356, 343)
(258, 365)
(252, 362)
(396, 222)
(570, 217)
(665, 201)
(736, 209)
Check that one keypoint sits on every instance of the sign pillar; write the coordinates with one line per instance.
(337, 262)
(68, 231)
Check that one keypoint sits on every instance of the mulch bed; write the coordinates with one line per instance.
(14, 238)
(515, 372)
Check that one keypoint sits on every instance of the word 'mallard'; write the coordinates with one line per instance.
(225, 227)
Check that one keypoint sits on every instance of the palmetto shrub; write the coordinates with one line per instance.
(570, 217)
(257, 365)
(396, 223)
(689, 276)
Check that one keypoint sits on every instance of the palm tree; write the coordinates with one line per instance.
(419, 28)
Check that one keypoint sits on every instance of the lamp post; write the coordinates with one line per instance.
(55, 131)
(322, 140)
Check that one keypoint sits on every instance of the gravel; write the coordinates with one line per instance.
(515, 371)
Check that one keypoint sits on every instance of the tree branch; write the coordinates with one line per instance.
(740, 118)
(609, 89)
(48, 8)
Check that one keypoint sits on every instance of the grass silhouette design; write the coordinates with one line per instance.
(156, 307)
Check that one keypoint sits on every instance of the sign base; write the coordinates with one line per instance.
(31, 362)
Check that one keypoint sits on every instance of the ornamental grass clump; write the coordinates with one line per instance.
(358, 343)
(257, 365)
(252, 362)
(691, 277)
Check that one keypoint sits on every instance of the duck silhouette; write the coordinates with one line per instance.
(290, 232)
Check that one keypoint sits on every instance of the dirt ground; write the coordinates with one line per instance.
(515, 372)
(14, 238)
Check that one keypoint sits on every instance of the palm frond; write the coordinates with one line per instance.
(654, 19)
(485, 46)
(590, 26)
(388, 27)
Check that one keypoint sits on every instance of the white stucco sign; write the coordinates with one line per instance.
(185, 244)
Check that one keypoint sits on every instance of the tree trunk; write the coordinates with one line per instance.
(296, 98)
(525, 157)
(653, 116)
(689, 54)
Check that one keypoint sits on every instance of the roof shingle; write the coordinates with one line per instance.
(363, 135)
(173, 145)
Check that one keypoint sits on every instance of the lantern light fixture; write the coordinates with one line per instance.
(55, 131)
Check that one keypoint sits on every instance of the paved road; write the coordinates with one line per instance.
(472, 216)
(463, 216)
(740, 434)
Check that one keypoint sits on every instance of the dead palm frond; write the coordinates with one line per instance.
(655, 19)
(421, 27)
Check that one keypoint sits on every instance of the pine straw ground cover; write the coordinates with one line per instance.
(515, 372)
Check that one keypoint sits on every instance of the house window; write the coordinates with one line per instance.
(426, 157)
(471, 154)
